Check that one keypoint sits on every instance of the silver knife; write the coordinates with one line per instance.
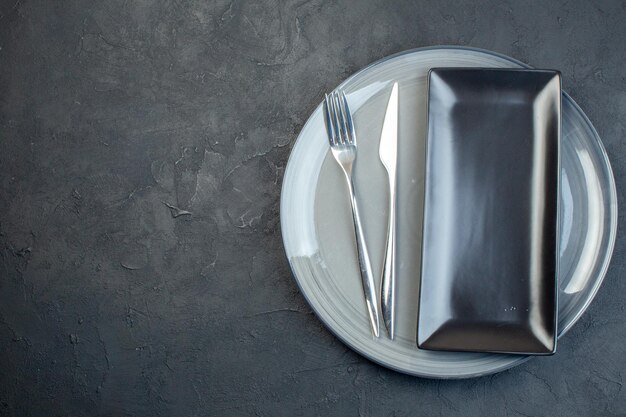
(388, 152)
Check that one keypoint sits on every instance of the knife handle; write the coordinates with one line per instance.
(388, 296)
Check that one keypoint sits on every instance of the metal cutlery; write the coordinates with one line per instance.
(388, 152)
(343, 145)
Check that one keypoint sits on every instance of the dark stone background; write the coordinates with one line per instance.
(110, 110)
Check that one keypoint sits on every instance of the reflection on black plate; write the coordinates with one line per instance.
(490, 241)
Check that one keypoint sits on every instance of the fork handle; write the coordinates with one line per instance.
(367, 276)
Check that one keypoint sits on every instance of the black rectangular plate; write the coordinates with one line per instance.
(490, 236)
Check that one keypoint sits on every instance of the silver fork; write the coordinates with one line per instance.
(342, 138)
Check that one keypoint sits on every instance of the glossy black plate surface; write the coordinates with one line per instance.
(490, 239)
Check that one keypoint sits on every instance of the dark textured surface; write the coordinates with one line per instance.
(114, 303)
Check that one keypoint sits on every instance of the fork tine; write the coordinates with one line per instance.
(328, 120)
(339, 139)
(346, 108)
(342, 119)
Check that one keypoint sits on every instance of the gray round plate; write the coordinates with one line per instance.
(318, 232)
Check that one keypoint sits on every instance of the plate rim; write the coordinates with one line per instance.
(613, 210)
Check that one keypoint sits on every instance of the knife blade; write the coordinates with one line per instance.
(388, 152)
